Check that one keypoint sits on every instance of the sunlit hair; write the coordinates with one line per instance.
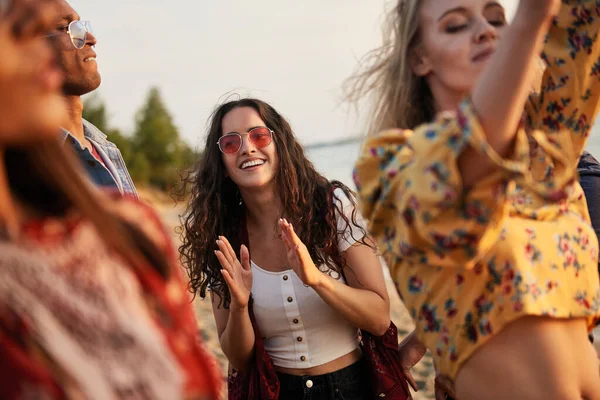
(215, 206)
(400, 99)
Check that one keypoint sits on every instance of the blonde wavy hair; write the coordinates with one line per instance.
(399, 98)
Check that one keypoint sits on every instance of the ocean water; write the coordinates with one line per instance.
(336, 161)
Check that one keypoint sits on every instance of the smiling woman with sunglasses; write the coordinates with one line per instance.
(313, 278)
(232, 142)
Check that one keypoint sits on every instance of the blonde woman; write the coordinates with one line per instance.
(476, 204)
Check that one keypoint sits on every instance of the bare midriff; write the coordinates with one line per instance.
(533, 358)
(332, 366)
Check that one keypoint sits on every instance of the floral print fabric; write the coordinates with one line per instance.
(467, 262)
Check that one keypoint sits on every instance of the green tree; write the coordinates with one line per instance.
(186, 156)
(157, 138)
(155, 154)
(156, 135)
(139, 168)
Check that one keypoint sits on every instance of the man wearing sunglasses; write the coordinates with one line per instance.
(74, 42)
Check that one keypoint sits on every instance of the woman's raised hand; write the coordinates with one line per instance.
(237, 275)
(298, 256)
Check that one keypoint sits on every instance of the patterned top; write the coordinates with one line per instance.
(78, 322)
(469, 261)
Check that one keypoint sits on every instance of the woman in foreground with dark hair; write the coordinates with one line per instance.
(314, 277)
(92, 300)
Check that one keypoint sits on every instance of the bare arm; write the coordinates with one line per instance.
(508, 77)
(234, 326)
(568, 101)
(236, 335)
(364, 302)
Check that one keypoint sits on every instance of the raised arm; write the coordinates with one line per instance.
(234, 326)
(567, 103)
(363, 301)
(501, 92)
(437, 195)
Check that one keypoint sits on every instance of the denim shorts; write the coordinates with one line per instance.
(350, 383)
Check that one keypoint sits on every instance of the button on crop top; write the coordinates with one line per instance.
(300, 329)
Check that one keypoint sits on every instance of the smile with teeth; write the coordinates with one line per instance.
(90, 59)
(253, 163)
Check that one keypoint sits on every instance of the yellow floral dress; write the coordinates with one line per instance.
(468, 262)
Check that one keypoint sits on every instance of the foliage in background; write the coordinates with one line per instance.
(155, 154)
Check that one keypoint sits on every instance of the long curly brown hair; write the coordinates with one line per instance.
(216, 208)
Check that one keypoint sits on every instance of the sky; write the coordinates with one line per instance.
(292, 54)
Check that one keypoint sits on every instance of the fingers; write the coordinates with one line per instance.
(228, 280)
(226, 249)
(224, 262)
(284, 233)
(245, 257)
(292, 241)
(291, 249)
(232, 253)
(411, 381)
(233, 288)
(291, 234)
(296, 251)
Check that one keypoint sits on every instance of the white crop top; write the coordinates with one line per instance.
(300, 329)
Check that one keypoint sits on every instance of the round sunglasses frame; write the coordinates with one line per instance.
(87, 27)
(242, 139)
